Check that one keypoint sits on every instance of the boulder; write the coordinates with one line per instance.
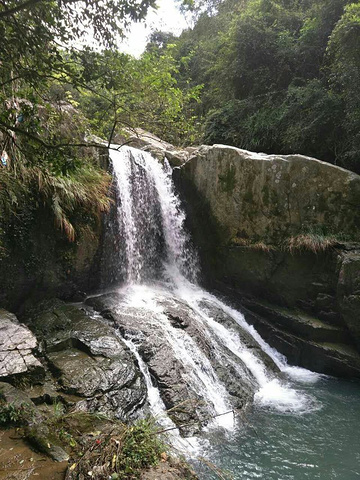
(143, 140)
(17, 347)
(269, 198)
(283, 229)
(89, 361)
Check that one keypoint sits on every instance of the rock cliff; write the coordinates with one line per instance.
(270, 198)
(283, 230)
(279, 234)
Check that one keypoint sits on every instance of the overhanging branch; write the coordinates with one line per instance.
(56, 146)
(18, 8)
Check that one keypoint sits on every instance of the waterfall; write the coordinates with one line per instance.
(161, 270)
(152, 220)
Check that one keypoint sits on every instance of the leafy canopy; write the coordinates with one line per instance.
(280, 76)
(53, 93)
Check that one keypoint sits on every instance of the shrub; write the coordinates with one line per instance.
(13, 414)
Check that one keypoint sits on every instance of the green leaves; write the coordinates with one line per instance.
(279, 76)
(138, 92)
(141, 448)
(15, 414)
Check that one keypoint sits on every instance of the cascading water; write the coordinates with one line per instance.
(190, 343)
(158, 249)
(151, 219)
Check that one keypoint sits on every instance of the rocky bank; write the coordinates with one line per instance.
(279, 235)
(68, 381)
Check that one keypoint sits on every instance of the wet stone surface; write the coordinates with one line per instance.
(171, 337)
(88, 360)
(17, 345)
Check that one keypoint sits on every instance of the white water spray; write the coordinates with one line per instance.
(158, 249)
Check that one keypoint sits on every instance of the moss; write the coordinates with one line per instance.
(38, 438)
(248, 196)
(228, 180)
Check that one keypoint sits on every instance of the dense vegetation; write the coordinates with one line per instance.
(55, 93)
(272, 75)
(278, 76)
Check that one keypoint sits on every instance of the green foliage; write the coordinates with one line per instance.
(344, 74)
(111, 449)
(14, 414)
(66, 20)
(53, 96)
(279, 76)
(141, 448)
(299, 119)
(196, 7)
(139, 92)
(83, 187)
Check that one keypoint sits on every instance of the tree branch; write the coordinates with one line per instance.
(18, 8)
(27, 5)
(54, 146)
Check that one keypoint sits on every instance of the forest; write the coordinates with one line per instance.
(277, 76)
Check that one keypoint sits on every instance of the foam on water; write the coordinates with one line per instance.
(200, 372)
(272, 392)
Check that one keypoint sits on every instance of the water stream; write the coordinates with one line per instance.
(322, 444)
(161, 272)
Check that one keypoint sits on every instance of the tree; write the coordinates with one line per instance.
(278, 76)
(66, 19)
(196, 7)
(44, 156)
(36, 33)
(344, 72)
(139, 92)
(159, 40)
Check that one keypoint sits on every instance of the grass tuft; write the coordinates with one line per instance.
(122, 452)
(83, 188)
(244, 242)
(312, 242)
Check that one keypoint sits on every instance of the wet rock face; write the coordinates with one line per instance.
(66, 269)
(17, 346)
(166, 338)
(167, 371)
(238, 204)
(88, 361)
(246, 339)
(348, 293)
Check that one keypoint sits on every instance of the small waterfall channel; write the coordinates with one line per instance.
(193, 349)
